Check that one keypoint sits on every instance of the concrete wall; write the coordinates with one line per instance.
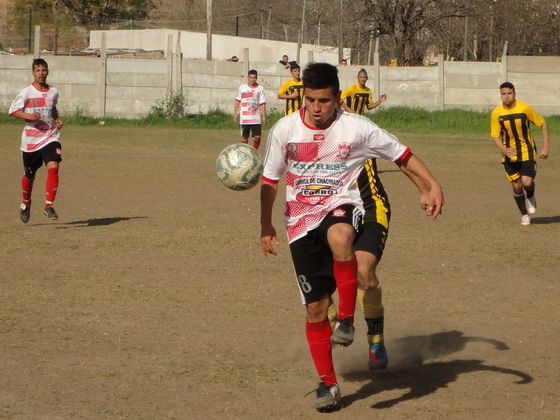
(128, 88)
(193, 45)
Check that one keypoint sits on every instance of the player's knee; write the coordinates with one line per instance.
(318, 311)
(367, 278)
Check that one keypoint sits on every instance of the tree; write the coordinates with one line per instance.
(411, 27)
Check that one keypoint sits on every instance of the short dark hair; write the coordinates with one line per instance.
(253, 72)
(294, 65)
(507, 85)
(39, 62)
(362, 70)
(321, 76)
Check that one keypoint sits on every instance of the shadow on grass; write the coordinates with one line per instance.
(103, 221)
(408, 372)
(545, 220)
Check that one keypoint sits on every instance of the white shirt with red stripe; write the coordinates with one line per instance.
(250, 99)
(323, 165)
(37, 134)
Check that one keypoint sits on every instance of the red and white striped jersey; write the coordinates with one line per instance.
(323, 165)
(37, 134)
(250, 100)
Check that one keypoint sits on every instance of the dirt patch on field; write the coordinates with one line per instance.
(149, 298)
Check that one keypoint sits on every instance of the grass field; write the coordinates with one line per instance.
(149, 298)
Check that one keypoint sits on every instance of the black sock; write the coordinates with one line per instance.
(520, 201)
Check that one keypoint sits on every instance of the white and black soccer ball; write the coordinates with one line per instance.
(239, 167)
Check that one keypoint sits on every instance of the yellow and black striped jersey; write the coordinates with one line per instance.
(373, 195)
(289, 87)
(357, 98)
(512, 126)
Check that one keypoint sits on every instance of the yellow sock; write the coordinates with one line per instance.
(372, 306)
(332, 314)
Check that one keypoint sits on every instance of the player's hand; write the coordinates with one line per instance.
(511, 152)
(234, 118)
(383, 98)
(36, 116)
(58, 123)
(268, 238)
(433, 202)
(544, 153)
(263, 121)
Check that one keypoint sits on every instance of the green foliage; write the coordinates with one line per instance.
(173, 106)
(419, 120)
(397, 119)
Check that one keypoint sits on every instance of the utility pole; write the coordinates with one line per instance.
(491, 37)
(30, 24)
(262, 22)
(55, 10)
(300, 37)
(340, 42)
(209, 30)
(466, 40)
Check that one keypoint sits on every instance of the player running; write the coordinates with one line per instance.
(40, 140)
(510, 130)
(323, 150)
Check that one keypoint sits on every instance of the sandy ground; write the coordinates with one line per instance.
(149, 298)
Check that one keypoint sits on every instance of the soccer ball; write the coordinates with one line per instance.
(239, 167)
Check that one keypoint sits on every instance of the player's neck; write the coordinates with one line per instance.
(42, 87)
(511, 106)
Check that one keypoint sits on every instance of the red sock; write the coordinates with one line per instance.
(319, 339)
(256, 143)
(346, 276)
(26, 188)
(52, 185)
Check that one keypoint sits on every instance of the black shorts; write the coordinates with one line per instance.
(372, 239)
(246, 129)
(516, 169)
(312, 256)
(32, 161)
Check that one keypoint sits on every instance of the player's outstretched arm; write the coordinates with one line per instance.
(382, 98)
(431, 193)
(268, 232)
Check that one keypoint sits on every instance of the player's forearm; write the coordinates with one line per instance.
(416, 180)
(499, 145)
(418, 173)
(546, 135)
(268, 196)
(22, 115)
(345, 107)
